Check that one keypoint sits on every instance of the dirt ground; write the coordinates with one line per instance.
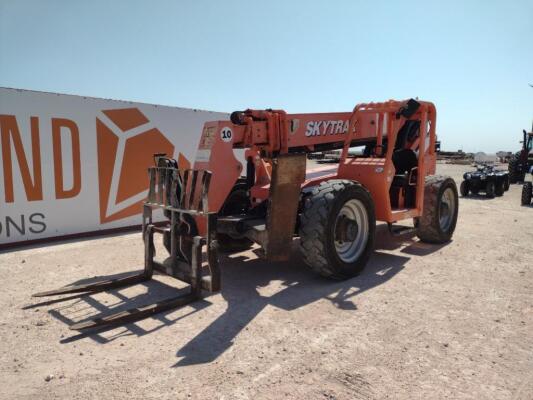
(422, 321)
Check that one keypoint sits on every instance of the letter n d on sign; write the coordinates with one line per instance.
(10, 134)
(61, 192)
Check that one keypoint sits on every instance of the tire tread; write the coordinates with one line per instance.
(428, 229)
(313, 227)
(527, 190)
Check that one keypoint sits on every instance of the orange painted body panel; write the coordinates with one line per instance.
(216, 155)
(376, 175)
(312, 178)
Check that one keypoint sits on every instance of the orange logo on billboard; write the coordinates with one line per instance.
(126, 144)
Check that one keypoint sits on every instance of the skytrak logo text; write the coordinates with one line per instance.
(321, 128)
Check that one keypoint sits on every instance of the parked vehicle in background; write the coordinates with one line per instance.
(485, 179)
(522, 161)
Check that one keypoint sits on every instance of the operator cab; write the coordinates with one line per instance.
(405, 160)
(403, 187)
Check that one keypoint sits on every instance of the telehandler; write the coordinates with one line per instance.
(221, 204)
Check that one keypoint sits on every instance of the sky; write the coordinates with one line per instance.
(473, 59)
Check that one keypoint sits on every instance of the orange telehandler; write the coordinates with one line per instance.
(223, 204)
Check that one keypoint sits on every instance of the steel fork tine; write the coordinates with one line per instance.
(151, 189)
(206, 179)
(190, 206)
(183, 192)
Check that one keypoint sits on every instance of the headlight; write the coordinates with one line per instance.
(468, 176)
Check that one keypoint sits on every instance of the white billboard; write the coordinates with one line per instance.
(73, 165)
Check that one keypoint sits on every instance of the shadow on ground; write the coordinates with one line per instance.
(82, 308)
(242, 276)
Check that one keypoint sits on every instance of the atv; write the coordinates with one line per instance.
(485, 179)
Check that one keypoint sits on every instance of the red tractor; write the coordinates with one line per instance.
(522, 161)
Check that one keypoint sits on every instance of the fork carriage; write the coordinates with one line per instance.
(182, 195)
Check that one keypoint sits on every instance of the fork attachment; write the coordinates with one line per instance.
(182, 196)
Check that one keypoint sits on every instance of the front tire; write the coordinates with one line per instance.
(337, 229)
(527, 193)
(441, 207)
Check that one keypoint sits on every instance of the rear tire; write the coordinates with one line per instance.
(506, 183)
(490, 189)
(337, 229)
(464, 188)
(441, 207)
(499, 189)
(527, 193)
